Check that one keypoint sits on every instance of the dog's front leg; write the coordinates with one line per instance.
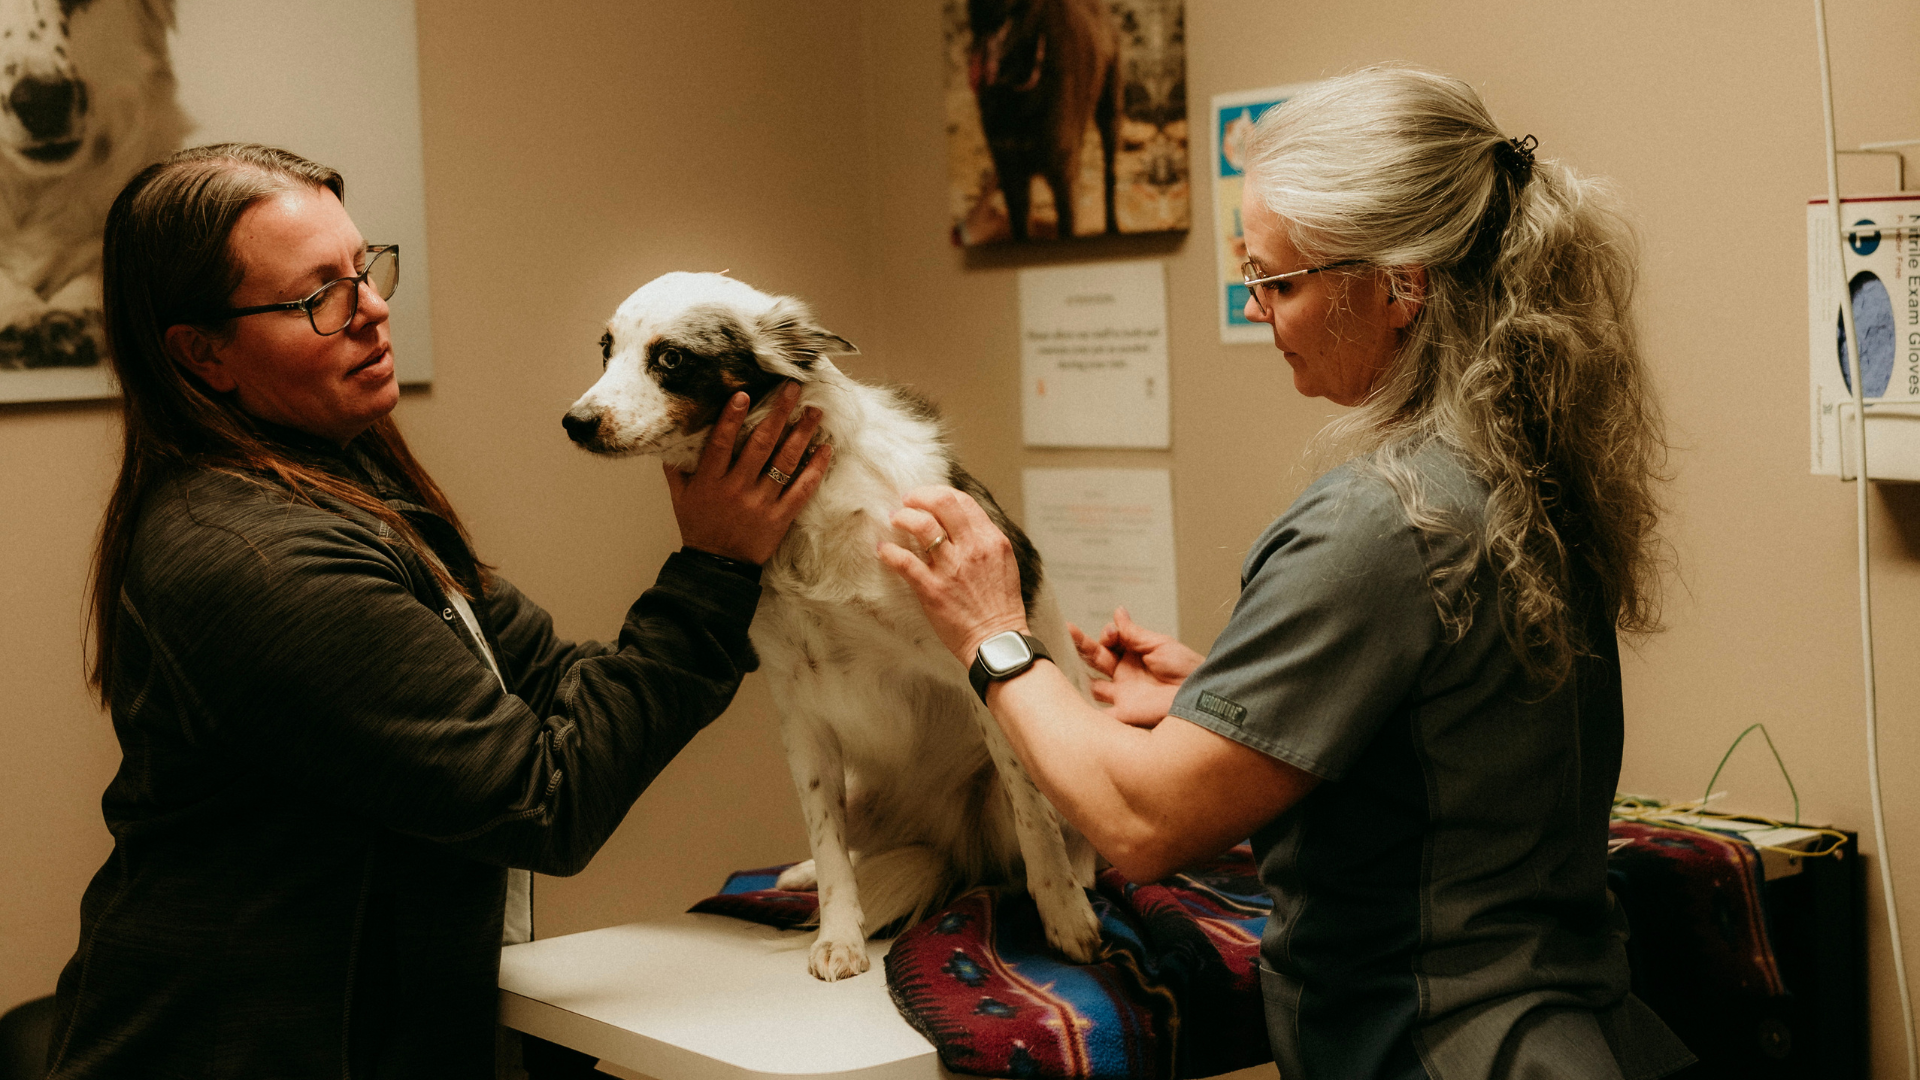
(1052, 878)
(820, 776)
(19, 304)
(80, 295)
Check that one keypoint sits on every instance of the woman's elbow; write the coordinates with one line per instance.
(563, 866)
(1146, 857)
(1144, 871)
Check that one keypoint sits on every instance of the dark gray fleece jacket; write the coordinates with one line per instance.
(323, 784)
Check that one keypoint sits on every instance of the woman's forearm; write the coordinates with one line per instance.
(1152, 800)
(1080, 760)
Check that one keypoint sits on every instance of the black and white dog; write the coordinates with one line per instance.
(86, 101)
(911, 793)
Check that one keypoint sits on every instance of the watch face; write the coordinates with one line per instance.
(1002, 653)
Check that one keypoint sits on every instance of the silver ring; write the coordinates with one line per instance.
(778, 477)
(937, 541)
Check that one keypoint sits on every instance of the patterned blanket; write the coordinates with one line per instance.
(1177, 993)
(1703, 955)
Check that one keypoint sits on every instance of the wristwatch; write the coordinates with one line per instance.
(1003, 656)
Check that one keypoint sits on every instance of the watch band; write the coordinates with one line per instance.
(981, 678)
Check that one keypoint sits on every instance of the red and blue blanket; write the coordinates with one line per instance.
(1177, 993)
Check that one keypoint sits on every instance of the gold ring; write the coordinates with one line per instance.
(778, 477)
(937, 541)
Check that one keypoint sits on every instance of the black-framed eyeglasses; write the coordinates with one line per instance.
(1258, 284)
(332, 307)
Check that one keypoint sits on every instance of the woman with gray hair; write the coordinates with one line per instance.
(1415, 710)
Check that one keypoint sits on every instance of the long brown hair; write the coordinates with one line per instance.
(167, 262)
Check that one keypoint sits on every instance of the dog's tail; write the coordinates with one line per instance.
(901, 886)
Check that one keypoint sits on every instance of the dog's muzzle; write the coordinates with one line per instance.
(582, 426)
(50, 109)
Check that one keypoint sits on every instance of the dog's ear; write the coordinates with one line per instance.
(790, 333)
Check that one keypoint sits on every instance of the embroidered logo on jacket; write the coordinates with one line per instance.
(1215, 705)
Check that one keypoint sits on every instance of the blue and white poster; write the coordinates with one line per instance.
(1233, 118)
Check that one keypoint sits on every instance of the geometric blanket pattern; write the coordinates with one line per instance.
(1175, 993)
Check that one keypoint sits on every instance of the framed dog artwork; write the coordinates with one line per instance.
(98, 89)
(1066, 118)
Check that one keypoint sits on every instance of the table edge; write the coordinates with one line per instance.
(644, 1054)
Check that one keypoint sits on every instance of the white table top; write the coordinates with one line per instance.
(706, 997)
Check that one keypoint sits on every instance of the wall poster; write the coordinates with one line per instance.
(1107, 537)
(1066, 118)
(110, 86)
(1233, 116)
(1093, 355)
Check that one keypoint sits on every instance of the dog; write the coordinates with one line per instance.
(86, 101)
(1041, 71)
(910, 791)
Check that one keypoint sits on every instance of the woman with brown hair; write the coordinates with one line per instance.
(345, 740)
(1415, 710)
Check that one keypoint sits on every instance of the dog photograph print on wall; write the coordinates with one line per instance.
(92, 91)
(1066, 118)
(87, 99)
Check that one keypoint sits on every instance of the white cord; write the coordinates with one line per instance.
(1860, 507)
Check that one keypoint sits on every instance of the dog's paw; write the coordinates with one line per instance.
(830, 960)
(798, 878)
(82, 294)
(21, 307)
(54, 339)
(1074, 929)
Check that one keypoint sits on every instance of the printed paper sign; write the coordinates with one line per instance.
(1093, 347)
(1106, 538)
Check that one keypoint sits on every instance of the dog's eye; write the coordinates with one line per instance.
(667, 359)
(606, 348)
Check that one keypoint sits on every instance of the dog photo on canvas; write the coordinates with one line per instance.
(86, 101)
(909, 789)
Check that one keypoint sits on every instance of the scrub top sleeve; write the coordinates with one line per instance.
(1334, 623)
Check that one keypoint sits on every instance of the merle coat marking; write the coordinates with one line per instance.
(910, 790)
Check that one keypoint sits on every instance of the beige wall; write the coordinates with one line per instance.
(800, 144)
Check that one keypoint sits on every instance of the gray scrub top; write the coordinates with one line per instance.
(1440, 900)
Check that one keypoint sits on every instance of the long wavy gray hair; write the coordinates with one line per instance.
(1522, 359)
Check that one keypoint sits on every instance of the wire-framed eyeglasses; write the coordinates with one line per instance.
(1258, 284)
(331, 307)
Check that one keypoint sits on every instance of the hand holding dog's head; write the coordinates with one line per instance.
(679, 348)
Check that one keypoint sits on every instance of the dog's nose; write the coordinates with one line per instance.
(581, 427)
(46, 107)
